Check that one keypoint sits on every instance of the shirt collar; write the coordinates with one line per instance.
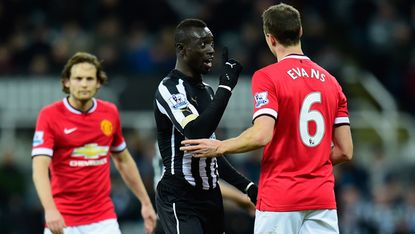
(76, 111)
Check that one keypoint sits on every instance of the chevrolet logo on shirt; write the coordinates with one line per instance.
(90, 151)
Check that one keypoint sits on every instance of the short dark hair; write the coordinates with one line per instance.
(181, 35)
(82, 57)
(283, 22)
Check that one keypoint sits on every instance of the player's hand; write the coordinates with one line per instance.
(230, 71)
(252, 193)
(54, 221)
(149, 217)
(202, 148)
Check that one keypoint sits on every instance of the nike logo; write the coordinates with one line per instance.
(69, 130)
(230, 64)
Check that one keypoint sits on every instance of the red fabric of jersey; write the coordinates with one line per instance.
(306, 101)
(80, 145)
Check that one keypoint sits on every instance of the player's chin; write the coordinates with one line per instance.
(205, 70)
(85, 97)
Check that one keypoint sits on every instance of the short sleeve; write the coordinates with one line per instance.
(342, 116)
(265, 96)
(43, 139)
(118, 143)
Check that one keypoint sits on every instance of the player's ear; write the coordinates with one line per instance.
(180, 48)
(301, 32)
(66, 82)
(273, 40)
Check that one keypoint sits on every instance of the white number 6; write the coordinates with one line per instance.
(307, 115)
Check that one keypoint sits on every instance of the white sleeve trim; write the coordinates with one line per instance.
(342, 120)
(225, 87)
(119, 148)
(265, 111)
(42, 151)
(248, 186)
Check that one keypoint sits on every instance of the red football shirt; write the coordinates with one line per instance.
(306, 101)
(80, 145)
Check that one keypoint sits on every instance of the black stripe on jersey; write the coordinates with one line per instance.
(196, 172)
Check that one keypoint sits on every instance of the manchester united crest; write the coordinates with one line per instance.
(106, 127)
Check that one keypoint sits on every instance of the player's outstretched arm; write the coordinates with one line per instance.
(253, 138)
(53, 217)
(343, 145)
(127, 167)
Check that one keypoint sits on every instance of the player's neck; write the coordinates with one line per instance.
(186, 70)
(81, 105)
(284, 51)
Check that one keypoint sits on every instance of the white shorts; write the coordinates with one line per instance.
(109, 226)
(301, 222)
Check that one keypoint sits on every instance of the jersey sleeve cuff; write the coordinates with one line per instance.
(265, 111)
(342, 121)
(119, 148)
(42, 151)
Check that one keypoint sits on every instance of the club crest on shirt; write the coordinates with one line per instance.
(178, 101)
(38, 138)
(261, 99)
(106, 127)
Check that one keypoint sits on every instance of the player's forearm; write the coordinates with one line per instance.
(228, 173)
(41, 181)
(250, 139)
(206, 123)
(232, 194)
(132, 178)
(338, 156)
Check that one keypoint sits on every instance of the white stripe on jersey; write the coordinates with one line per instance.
(341, 120)
(203, 173)
(161, 109)
(187, 168)
(268, 111)
(42, 151)
(119, 148)
(172, 150)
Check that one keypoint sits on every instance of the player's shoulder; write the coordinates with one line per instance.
(107, 105)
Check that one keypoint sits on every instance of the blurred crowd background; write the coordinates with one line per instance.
(352, 39)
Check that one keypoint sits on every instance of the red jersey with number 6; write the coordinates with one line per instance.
(306, 102)
(80, 145)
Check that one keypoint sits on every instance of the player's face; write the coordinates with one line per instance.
(200, 50)
(83, 83)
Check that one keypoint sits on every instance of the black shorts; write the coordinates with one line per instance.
(186, 210)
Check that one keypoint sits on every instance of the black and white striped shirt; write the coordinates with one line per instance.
(178, 101)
